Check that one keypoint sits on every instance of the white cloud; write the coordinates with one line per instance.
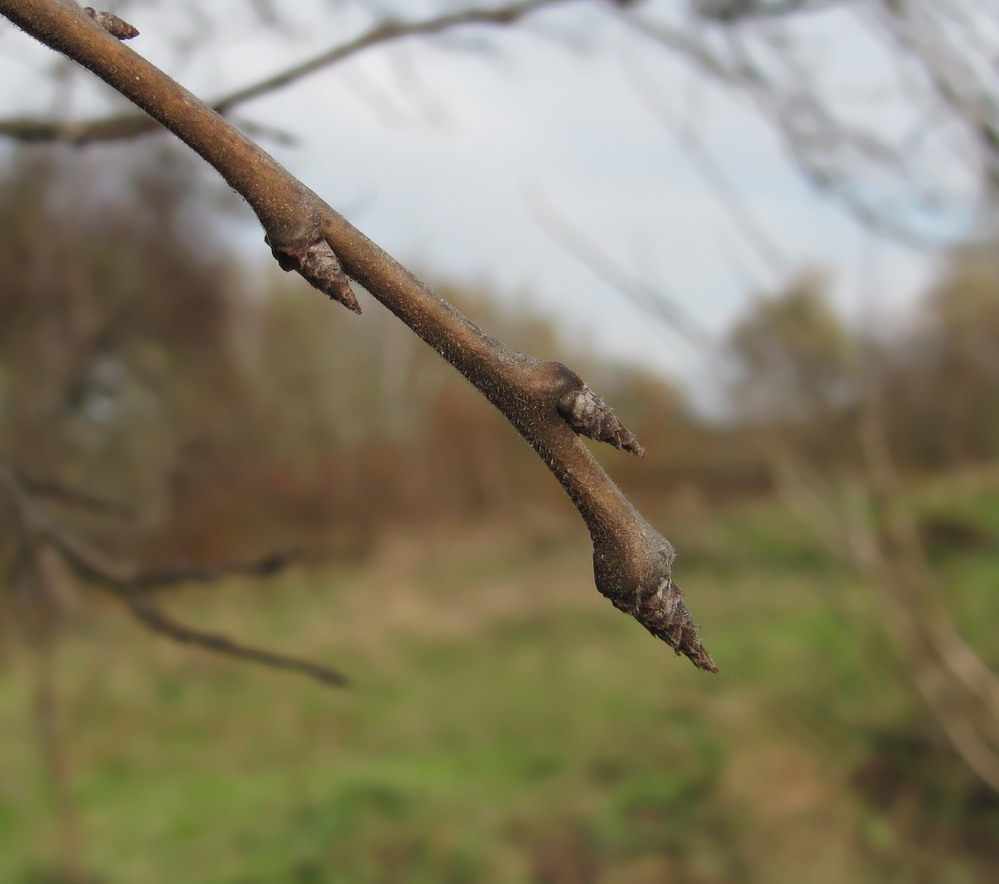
(450, 195)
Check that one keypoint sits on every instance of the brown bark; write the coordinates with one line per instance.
(547, 402)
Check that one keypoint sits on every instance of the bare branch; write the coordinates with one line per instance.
(151, 616)
(75, 497)
(120, 579)
(130, 125)
(711, 172)
(729, 42)
(53, 750)
(729, 11)
(262, 567)
(632, 561)
(92, 566)
(584, 249)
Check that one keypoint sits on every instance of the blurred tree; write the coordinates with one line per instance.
(870, 518)
(953, 364)
(791, 353)
(87, 374)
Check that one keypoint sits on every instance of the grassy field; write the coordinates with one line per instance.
(505, 724)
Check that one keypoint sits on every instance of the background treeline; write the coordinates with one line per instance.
(140, 354)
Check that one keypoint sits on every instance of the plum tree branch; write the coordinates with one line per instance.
(545, 401)
(130, 125)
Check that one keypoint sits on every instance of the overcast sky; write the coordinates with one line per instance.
(441, 149)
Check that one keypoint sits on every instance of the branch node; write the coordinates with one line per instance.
(590, 416)
(116, 27)
(319, 265)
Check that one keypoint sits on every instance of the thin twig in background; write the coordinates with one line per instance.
(112, 128)
(132, 587)
(60, 492)
(546, 402)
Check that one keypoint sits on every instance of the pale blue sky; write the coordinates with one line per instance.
(432, 149)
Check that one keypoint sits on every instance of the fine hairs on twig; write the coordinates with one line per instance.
(590, 416)
(546, 402)
(318, 264)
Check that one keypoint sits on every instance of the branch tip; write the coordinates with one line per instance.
(664, 613)
(633, 570)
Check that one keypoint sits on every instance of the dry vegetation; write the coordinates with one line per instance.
(502, 727)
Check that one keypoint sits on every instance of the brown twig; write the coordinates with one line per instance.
(97, 569)
(632, 561)
(262, 567)
(122, 580)
(149, 614)
(60, 492)
(125, 126)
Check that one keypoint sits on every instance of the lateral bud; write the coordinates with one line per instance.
(590, 416)
(116, 27)
(319, 265)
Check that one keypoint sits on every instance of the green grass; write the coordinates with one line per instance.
(506, 724)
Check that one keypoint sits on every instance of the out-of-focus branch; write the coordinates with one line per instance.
(690, 142)
(879, 537)
(729, 11)
(149, 614)
(262, 567)
(132, 587)
(123, 126)
(606, 268)
(60, 492)
(940, 62)
(546, 402)
(91, 566)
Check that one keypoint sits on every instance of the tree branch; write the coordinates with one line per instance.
(91, 566)
(830, 152)
(143, 607)
(59, 492)
(155, 619)
(263, 567)
(547, 402)
(122, 581)
(123, 126)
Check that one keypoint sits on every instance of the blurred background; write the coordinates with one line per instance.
(763, 230)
